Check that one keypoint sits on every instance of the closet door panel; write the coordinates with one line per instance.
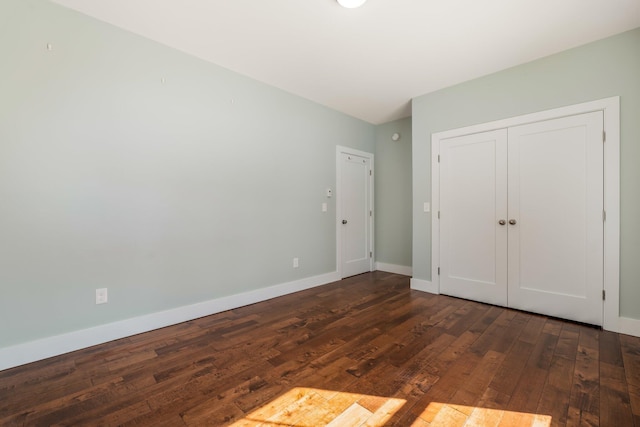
(555, 198)
(473, 200)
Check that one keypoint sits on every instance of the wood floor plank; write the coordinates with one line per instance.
(631, 359)
(554, 401)
(478, 381)
(367, 350)
(584, 400)
(448, 416)
(529, 385)
(615, 402)
(511, 369)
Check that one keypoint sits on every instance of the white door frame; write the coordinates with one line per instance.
(346, 150)
(611, 109)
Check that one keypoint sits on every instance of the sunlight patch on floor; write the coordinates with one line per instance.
(450, 415)
(310, 407)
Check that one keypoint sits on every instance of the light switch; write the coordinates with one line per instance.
(324, 207)
(427, 207)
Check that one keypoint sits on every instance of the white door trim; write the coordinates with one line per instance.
(346, 150)
(611, 108)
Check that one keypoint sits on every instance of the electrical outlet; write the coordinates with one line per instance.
(295, 263)
(101, 296)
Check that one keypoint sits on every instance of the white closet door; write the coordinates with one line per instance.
(473, 252)
(555, 196)
(355, 193)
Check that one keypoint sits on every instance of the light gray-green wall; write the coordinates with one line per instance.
(393, 193)
(168, 180)
(602, 69)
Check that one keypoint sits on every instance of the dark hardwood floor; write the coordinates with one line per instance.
(363, 351)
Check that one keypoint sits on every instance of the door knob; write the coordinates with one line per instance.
(512, 221)
(344, 221)
(502, 222)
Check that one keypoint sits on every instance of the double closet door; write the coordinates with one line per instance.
(521, 217)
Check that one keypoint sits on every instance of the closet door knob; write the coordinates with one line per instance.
(512, 221)
(502, 222)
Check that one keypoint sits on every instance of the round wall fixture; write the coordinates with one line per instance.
(351, 4)
(395, 136)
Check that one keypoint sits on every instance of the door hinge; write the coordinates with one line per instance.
(370, 172)
(604, 136)
(438, 271)
(604, 295)
(370, 213)
(438, 158)
(604, 216)
(370, 254)
(438, 214)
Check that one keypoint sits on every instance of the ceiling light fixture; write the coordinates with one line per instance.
(351, 4)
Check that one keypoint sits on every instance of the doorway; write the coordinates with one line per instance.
(550, 186)
(521, 217)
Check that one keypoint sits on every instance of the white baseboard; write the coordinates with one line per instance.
(424, 286)
(628, 326)
(393, 268)
(32, 351)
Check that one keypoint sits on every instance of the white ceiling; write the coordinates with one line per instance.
(367, 62)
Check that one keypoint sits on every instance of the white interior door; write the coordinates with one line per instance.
(355, 213)
(555, 196)
(473, 202)
(521, 217)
